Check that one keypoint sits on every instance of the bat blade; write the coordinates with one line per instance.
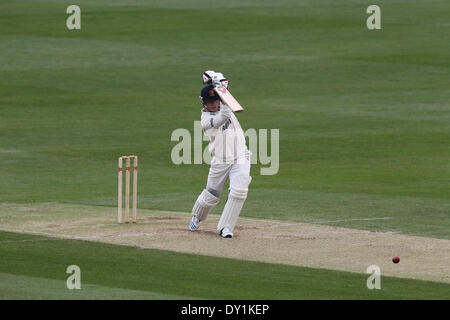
(228, 99)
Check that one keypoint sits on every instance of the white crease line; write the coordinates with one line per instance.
(279, 223)
(346, 220)
(274, 222)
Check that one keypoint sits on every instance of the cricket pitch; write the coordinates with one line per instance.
(273, 241)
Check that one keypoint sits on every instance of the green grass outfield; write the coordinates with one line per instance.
(120, 272)
(363, 115)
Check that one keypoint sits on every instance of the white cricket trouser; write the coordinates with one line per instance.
(219, 173)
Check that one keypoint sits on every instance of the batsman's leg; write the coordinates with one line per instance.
(239, 181)
(204, 204)
(209, 198)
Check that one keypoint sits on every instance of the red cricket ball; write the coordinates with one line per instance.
(395, 259)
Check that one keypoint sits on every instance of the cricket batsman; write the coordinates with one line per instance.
(230, 159)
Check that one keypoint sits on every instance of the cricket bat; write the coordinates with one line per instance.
(228, 99)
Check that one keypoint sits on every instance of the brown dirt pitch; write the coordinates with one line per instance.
(273, 241)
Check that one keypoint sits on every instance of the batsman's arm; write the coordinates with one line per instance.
(217, 120)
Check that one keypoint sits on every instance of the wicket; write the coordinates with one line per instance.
(127, 189)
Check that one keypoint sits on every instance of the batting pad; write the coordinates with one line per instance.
(204, 204)
(235, 202)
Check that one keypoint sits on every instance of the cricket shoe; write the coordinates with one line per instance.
(194, 224)
(226, 233)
